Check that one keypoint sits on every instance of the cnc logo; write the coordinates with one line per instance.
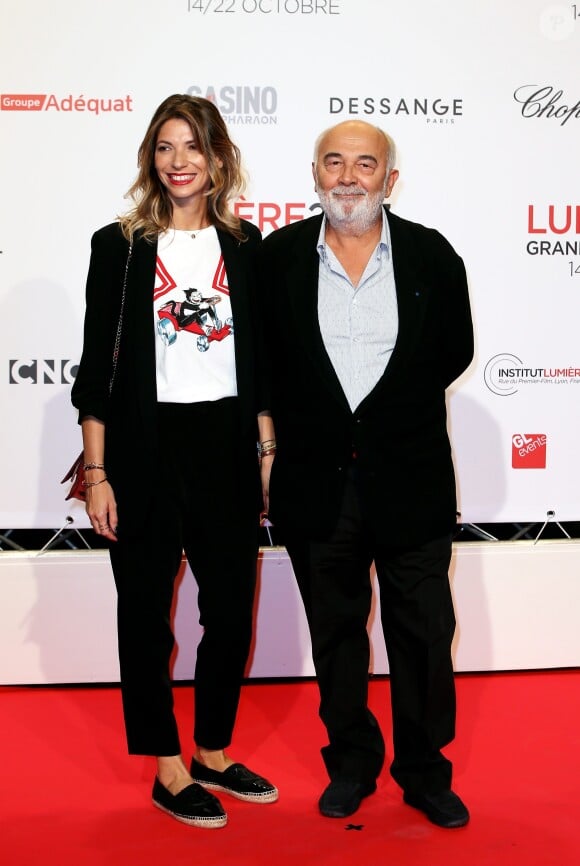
(242, 104)
(556, 220)
(529, 450)
(68, 104)
(434, 110)
(42, 372)
(547, 102)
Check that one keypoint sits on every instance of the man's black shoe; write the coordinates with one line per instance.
(341, 798)
(444, 808)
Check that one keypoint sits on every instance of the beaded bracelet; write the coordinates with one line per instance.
(88, 466)
(93, 483)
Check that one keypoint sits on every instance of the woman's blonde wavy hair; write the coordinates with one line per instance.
(152, 212)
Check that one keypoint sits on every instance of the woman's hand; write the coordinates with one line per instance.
(100, 502)
(102, 510)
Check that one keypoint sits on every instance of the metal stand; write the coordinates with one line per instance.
(474, 529)
(478, 532)
(549, 516)
(11, 544)
(522, 531)
(66, 533)
(265, 523)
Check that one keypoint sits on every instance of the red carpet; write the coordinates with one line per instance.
(70, 795)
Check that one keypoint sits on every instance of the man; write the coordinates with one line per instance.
(368, 322)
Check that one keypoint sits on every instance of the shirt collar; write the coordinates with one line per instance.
(384, 244)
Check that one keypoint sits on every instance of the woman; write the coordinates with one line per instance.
(171, 404)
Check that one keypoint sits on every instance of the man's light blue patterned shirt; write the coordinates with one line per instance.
(359, 324)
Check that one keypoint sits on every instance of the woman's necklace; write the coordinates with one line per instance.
(192, 234)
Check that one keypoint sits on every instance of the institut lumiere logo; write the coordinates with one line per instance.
(505, 374)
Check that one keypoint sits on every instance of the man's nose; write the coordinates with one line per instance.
(348, 174)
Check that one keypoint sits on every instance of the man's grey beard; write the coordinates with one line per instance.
(352, 209)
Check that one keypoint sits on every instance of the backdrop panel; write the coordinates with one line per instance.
(516, 606)
(483, 102)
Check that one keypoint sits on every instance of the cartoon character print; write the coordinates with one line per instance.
(196, 314)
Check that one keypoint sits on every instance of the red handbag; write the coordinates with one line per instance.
(76, 474)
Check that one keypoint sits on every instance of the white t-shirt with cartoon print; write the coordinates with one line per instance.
(194, 330)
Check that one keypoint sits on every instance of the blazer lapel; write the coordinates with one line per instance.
(411, 288)
(233, 255)
(301, 279)
(240, 273)
(139, 303)
(231, 250)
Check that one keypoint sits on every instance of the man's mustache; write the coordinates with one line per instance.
(351, 190)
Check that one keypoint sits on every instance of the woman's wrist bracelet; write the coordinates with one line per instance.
(266, 448)
(93, 483)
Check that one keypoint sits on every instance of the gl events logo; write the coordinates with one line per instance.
(67, 104)
(529, 450)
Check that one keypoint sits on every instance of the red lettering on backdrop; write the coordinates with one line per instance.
(565, 214)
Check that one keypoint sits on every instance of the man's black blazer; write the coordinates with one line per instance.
(398, 432)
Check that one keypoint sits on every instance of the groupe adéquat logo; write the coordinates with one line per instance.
(69, 104)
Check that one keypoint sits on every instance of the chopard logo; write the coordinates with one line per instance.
(545, 101)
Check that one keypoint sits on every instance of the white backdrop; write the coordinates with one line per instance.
(484, 104)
